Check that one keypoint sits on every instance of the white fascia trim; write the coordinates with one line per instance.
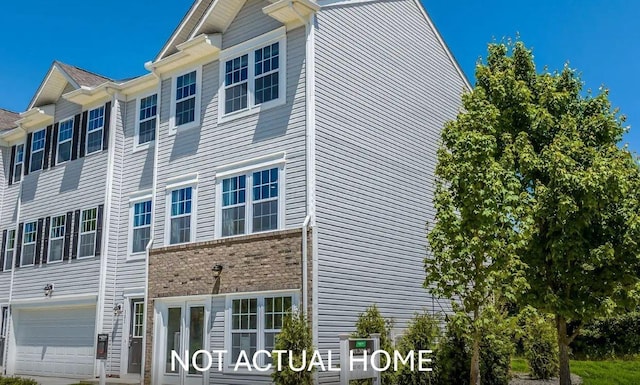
(178, 30)
(75, 299)
(133, 292)
(244, 166)
(181, 181)
(172, 116)
(140, 196)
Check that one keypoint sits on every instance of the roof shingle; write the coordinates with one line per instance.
(81, 76)
(8, 119)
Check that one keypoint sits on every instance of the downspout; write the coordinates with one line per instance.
(305, 265)
(154, 185)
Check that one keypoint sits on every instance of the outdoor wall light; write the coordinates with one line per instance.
(48, 289)
(117, 309)
(217, 270)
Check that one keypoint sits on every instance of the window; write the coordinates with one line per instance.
(56, 238)
(141, 233)
(261, 206)
(88, 226)
(253, 78)
(185, 103)
(28, 256)
(138, 319)
(65, 137)
(250, 331)
(37, 150)
(180, 217)
(95, 126)
(19, 160)
(147, 112)
(10, 250)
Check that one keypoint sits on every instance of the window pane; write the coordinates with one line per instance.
(196, 336)
(65, 130)
(265, 216)
(87, 245)
(235, 98)
(173, 336)
(28, 254)
(64, 152)
(96, 119)
(94, 141)
(181, 201)
(243, 341)
(148, 107)
(141, 238)
(180, 230)
(233, 221)
(36, 161)
(267, 88)
(17, 174)
(186, 85)
(37, 141)
(147, 131)
(185, 111)
(8, 260)
(55, 253)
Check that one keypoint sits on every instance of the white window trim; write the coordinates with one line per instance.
(136, 140)
(278, 35)
(31, 152)
(86, 131)
(7, 249)
(228, 366)
(72, 119)
(131, 256)
(194, 210)
(172, 116)
(16, 163)
(247, 168)
(49, 261)
(81, 233)
(34, 243)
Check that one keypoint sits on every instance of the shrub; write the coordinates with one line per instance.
(612, 337)
(371, 322)
(295, 336)
(422, 334)
(540, 342)
(17, 381)
(453, 354)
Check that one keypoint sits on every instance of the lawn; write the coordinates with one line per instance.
(614, 372)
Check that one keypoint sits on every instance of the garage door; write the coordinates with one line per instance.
(55, 341)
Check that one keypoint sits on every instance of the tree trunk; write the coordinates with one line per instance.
(563, 347)
(475, 361)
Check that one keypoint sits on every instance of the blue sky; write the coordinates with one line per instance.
(599, 38)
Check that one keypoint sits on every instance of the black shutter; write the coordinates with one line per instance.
(27, 154)
(67, 235)
(12, 164)
(54, 144)
(45, 247)
(83, 134)
(76, 136)
(4, 249)
(39, 241)
(105, 129)
(18, 247)
(47, 148)
(99, 230)
(76, 232)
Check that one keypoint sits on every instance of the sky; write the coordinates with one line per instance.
(601, 39)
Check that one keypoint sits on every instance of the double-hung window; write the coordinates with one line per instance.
(185, 100)
(28, 255)
(181, 205)
(18, 162)
(10, 250)
(141, 232)
(88, 228)
(37, 150)
(56, 238)
(251, 202)
(65, 138)
(95, 127)
(147, 112)
(254, 78)
(255, 324)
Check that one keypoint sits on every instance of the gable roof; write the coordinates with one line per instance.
(57, 78)
(8, 119)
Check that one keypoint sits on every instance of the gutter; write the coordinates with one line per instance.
(305, 266)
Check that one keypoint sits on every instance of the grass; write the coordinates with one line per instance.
(612, 372)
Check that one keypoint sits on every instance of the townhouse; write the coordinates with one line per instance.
(276, 154)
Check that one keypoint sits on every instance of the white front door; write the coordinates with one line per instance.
(183, 329)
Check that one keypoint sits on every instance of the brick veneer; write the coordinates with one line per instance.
(258, 262)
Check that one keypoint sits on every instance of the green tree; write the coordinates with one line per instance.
(475, 239)
(371, 322)
(295, 337)
(577, 221)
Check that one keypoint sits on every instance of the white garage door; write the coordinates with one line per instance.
(55, 341)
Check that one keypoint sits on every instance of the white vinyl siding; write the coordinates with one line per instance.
(88, 227)
(56, 238)
(95, 127)
(28, 255)
(37, 150)
(65, 139)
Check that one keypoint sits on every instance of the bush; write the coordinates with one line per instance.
(295, 336)
(17, 381)
(540, 342)
(453, 358)
(612, 337)
(422, 334)
(371, 322)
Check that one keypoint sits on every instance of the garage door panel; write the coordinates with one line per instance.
(55, 341)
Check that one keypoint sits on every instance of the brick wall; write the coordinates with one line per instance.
(258, 262)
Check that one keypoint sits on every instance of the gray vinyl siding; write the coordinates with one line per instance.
(203, 148)
(249, 23)
(385, 87)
